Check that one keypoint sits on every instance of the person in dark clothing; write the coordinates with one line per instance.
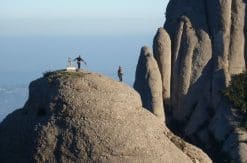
(79, 60)
(120, 73)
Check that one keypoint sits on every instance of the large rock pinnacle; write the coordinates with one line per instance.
(148, 80)
(204, 41)
(162, 53)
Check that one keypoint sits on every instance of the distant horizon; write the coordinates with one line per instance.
(84, 9)
(78, 27)
(87, 17)
(26, 58)
(39, 36)
(36, 36)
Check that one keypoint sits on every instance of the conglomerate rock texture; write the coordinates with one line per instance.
(162, 51)
(202, 43)
(86, 117)
(151, 83)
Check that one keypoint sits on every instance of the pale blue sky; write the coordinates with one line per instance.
(81, 8)
(80, 17)
(44, 33)
(39, 35)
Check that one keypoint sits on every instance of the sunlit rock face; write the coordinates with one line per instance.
(200, 46)
(87, 117)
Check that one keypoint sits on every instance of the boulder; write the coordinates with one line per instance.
(86, 117)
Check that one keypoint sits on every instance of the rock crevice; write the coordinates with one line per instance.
(208, 45)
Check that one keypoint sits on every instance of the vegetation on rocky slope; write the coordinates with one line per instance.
(237, 94)
(50, 75)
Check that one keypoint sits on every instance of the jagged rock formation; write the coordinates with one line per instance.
(162, 53)
(86, 117)
(207, 47)
(149, 81)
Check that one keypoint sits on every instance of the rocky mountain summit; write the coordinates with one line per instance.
(87, 117)
(202, 44)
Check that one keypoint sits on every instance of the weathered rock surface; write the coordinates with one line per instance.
(208, 45)
(235, 145)
(225, 129)
(162, 53)
(72, 117)
(148, 80)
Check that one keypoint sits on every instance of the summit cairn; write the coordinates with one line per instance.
(70, 66)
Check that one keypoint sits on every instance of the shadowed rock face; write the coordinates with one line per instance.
(206, 46)
(218, 26)
(89, 118)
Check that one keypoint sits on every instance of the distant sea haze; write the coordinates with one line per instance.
(26, 58)
(11, 98)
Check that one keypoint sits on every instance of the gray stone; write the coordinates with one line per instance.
(198, 118)
(227, 27)
(236, 145)
(237, 47)
(220, 25)
(86, 117)
(149, 84)
(190, 150)
(204, 137)
(162, 53)
(183, 65)
(220, 125)
(208, 40)
(191, 69)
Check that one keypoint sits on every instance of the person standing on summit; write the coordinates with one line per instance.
(120, 73)
(79, 60)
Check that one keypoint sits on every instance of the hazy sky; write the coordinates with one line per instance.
(81, 8)
(39, 35)
(72, 17)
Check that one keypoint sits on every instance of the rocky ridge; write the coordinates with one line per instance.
(82, 116)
